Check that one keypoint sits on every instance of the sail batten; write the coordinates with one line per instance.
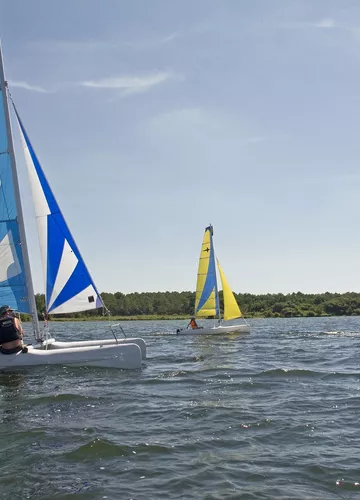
(68, 284)
(231, 307)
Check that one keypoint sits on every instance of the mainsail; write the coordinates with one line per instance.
(207, 297)
(69, 286)
(14, 289)
(231, 308)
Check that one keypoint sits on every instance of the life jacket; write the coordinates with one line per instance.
(8, 330)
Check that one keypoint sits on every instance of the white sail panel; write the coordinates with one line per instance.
(41, 206)
(87, 299)
(67, 266)
(40, 203)
(10, 265)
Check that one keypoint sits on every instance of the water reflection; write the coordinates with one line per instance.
(12, 388)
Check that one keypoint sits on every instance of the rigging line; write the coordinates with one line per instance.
(9, 93)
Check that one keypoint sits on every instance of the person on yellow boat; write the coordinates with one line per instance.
(11, 332)
(193, 325)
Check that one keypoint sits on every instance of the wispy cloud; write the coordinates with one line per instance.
(150, 42)
(255, 139)
(326, 23)
(129, 84)
(90, 46)
(77, 46)
(125, 85)
(28, 86)
(201, 126)
(168, 38)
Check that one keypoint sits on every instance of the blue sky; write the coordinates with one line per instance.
(153, 118)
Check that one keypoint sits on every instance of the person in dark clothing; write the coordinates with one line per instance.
(11, 332)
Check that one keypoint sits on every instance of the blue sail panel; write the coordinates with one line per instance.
(13, 287)
(69, 286)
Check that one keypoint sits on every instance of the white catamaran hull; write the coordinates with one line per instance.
(215, 330)
(67, 290)
(124, 356)
(54, 344)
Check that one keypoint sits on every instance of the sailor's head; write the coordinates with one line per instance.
(5, 310)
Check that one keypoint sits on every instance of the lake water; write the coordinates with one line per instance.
(271, 415)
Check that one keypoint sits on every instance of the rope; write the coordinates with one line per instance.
(46, 328)
(111, 325)
(9, 93)
(106, 312)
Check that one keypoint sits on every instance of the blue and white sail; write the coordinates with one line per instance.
(69, 286)
(13, 283)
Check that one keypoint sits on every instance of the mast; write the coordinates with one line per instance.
(27, 268)
(217, 298)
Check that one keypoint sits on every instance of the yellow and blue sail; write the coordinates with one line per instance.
(207, 296)
(13, 287)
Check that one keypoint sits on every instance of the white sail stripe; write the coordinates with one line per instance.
(78, 303)
(41, 206)
(9, 262)
(67, 265)
(41, 223)
(40, 202)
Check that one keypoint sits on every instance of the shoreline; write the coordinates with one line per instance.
(165, 317)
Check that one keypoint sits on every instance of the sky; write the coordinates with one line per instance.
(152, 119)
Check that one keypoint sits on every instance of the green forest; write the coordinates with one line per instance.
(166, 305)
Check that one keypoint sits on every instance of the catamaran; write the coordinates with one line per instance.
(207, 303)
(68, 284)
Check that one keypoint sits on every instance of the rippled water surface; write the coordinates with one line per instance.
(271, 415)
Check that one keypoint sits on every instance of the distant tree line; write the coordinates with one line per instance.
(182, 304)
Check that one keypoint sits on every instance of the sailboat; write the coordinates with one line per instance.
(207, 302)
(68, 284)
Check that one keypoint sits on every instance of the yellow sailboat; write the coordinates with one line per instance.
(207, 296)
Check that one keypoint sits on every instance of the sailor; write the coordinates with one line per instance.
(193, 325)
(11, 332)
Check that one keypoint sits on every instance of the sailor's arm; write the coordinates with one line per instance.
(19, 327)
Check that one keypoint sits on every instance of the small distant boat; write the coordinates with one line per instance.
(68, 284)
(207, 296)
